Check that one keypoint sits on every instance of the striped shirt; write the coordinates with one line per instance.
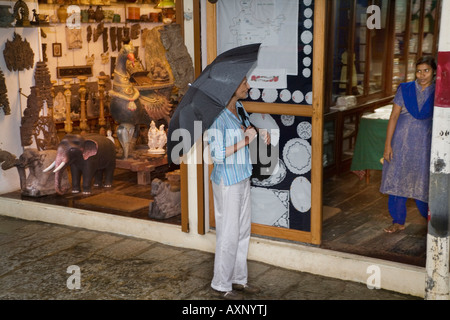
(224, 132)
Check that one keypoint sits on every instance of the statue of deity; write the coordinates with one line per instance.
(157, 139)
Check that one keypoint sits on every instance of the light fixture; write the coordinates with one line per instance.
(165, 4)
(168, 10)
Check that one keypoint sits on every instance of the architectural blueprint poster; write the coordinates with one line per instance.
(273, 84)
(274, 24)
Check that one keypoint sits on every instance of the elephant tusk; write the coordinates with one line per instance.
(60, 167)
(49, 167)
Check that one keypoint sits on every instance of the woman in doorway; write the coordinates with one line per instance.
(408, 145)
(229, 137)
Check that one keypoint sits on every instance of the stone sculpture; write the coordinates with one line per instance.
(38, 183)
(167, 203)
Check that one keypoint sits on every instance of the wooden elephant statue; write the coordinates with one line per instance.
(88, 156)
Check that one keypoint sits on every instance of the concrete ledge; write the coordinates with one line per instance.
(394, 276)
(397, 277)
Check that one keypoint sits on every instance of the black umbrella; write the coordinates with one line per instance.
(207, 97)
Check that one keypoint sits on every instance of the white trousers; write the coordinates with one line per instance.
(232, 208)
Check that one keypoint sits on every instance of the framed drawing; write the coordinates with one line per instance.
(57, 49)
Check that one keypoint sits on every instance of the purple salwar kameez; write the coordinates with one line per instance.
(407, 174)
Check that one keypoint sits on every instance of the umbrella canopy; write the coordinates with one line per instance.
(207, 97)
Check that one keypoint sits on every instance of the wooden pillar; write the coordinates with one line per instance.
(68, 94)
(82, 93)
(317, 120)
(101, 94)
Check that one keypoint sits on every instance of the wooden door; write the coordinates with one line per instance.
(312, 112)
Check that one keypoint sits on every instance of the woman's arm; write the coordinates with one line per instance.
(392, 124)
(249, 135)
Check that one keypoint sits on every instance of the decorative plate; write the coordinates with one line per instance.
(285, 95)
(269, 95)
(304, 130)
(287, 120)
(300, 194)
(255, 94)
(297, 156)
(278, 175)
(297, 96)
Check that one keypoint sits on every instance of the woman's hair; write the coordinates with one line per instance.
(429, 60)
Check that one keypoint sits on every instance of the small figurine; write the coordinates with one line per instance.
(90, 60)
(35, 19)
(157, 139)
(91, 14)
(6, 17)
(109, 135)
(21, 14)
(59, 107)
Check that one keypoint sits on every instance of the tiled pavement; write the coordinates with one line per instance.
(42, 261)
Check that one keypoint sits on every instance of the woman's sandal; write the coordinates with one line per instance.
(394, 228)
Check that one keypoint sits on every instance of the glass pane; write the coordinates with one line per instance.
(413, 40)
(399, 68)
(361, 45)
(341, 85)
(428, 26)
(378, 48)
(329, 128)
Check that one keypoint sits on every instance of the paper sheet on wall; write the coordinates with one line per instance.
(273, 23)
(440, 143)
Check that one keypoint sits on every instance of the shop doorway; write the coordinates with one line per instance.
(355, 214)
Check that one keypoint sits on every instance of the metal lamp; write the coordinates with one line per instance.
(165, 4)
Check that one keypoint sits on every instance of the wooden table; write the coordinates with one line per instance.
(369, 147)
(143, 166)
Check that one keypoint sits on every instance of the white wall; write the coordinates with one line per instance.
(10, 124)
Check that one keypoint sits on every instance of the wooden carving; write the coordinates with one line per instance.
(113, 38)
(30, 116)
(105, 40)
(43, 82)
(74, 39)
(18, 54)
(46, 134)
(4, 102)
(89, 33)
(98, 31)
(164, 48)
